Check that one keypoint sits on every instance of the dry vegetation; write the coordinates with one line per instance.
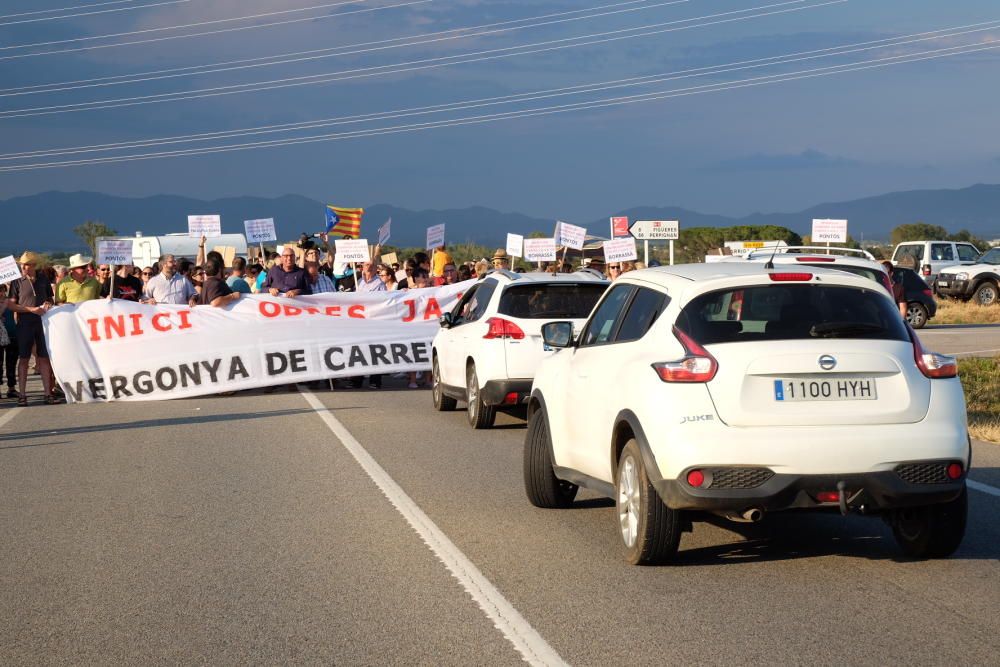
(964, 312)
(981, 380)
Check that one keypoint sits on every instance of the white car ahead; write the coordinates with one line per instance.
(490, 344)
(741, 390)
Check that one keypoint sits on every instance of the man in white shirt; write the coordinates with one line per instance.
(168, 286)
(369, 281)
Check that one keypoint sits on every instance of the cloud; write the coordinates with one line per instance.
(807, 159)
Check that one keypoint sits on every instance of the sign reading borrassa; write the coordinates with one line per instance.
(260, 230)
(825, 230)
(118, 350)
(620, 250)
(352, 250)
(540, 250)
(570, 236)
(9, 270)
(204, 225)
(116, 252)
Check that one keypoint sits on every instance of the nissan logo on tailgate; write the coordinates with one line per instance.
(827, 363)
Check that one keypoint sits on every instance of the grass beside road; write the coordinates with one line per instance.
(964, 312)
(981, 380)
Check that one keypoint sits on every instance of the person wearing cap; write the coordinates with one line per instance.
(78, 286)
(500, 260)
(30, 297)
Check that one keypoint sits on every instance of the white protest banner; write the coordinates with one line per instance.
(260, 230)
(570, 236)
(352, 250)
(540, 250)
(435, 237)
(204, 225)
(825, 230)
(620, 250)
(515, 245)
(116, 252)
(124, 351)
(9, 270)
(385, 232)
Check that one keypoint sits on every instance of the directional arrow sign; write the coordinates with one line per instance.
(655, 230)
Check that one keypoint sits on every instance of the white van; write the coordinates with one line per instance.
(928, 257)
(147, 249)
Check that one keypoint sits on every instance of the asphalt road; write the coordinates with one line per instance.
(963, 340)
(241, 529)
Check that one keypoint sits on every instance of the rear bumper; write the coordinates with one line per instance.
(873, 491)
(496, 391)
(960, 289)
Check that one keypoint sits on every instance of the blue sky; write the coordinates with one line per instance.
(778, 147)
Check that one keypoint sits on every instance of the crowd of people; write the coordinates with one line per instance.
(206, 280)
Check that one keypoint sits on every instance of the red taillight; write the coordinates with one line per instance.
(510, 399)
(501, 328)
(696, 366)
(928, 293)
(955, 471)
(816, 259)
(932, 364)
(828, 496)
(790, 277)
(696, 478)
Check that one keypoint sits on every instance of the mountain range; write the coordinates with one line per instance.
(45, 221)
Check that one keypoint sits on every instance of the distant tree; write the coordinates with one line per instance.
(538, 235)
(967, 236)
(918, 231)
(90, 231)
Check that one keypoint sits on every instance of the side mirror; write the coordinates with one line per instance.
(446, 321)
(558, 334)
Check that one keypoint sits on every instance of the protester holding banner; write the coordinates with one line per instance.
(8, 349)
(319, 282)
(215, 292)
(236, 281)
(388, 277)
(369, 281)
(169, 286)
(31, 297)
(127, 286)
(78, 286)
(286, 279)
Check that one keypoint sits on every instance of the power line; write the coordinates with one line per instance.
(542, 111)
(101, 11)
(315, 54)
(426, 63)
(768, 61)
(66, 9)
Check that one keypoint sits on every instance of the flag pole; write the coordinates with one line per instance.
(111, 290)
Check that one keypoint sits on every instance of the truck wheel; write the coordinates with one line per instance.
(442, 403)
(934, 531)
(986, 294)
(541, 485)
(651, 530)
(916, 315)
(480, 415)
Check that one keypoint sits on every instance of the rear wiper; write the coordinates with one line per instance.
(843, 329)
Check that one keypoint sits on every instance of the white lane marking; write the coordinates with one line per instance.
(506, 619)
(984, 488)
(8, 415)
(962, 354)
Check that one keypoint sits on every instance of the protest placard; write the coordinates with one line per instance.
(389, 259)
(540, 250)
(515, 245)
(570, 236)
(260, 230)
(829, 231)
(204, 225)
(385, 232)
(435, 237)
(352, 250)
(9, 270)
(116, 252)
(620, 250)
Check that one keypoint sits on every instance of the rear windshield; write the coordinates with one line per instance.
(548, 300)
(788, 312)
(863, 271)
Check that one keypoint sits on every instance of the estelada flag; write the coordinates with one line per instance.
(344, 221)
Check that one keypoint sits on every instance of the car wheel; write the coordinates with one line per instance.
(442, 403)
(542, 486)
(480, 415)
(985, 294)
(651, 530)
(916, 315)
(934, 531)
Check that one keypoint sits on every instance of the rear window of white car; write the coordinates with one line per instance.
(546, 301)
(789, 312)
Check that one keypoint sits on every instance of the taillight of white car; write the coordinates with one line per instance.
(501, 328)
(697, 365)
(932, 364)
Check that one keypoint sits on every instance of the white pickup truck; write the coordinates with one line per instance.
(979, 282)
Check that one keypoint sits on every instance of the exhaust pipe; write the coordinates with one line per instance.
(752, 515)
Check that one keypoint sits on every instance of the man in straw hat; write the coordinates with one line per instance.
(30, 297)
(79, 286)
(500, 260)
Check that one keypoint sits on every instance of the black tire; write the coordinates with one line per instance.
(916, 314)
(986, 294)
(442, 403)
(656, 528)
(934, 531)
(480, 415)
(541, 485)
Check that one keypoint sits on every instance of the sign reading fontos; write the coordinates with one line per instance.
(260, 230)
(570, 236)
(114, 252)
(540, 250)
(826, 230)
(118, 350)
(352, 250)
(656, 230)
